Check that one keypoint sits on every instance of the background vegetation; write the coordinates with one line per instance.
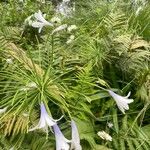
(111, 50)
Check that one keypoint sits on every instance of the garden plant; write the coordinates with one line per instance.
(75, 75)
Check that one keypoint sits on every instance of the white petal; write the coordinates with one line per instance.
(129, 101)
(128, 95)
(40, 29)
(49, 121)
(121, 108)
(75, 144)
(59, 118)
(41, 124)
(61, 141)
(39, 16)
(123, 103)
(37, 24)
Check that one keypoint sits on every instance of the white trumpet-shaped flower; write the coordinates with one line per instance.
(45, 119)
(40, 21)
(104, 136)
(75, 142)
(61, 142)
(122, 102)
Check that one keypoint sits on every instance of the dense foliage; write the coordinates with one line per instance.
(110, 49)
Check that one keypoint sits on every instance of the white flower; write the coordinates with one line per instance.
(71, 38)
(41, 22)
(62, 27)
(104, 136)
(75, 142)
(110, 125)
(45, 120)
(71, 27)
(122, 102)
(64, 9)
(3, 110)
(61, 141)
(55, 20)
(9, 61)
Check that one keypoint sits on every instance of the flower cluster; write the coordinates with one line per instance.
(46, 120)
(61, 142)
(37, 20)
(104, 136)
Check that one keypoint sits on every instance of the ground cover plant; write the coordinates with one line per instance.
(75, 75)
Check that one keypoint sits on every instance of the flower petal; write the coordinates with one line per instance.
(75, 143)
(61, 141)
(40, 29)
(37, 24)
(39, 16)
(128, 95)
(41, 124)
(49, 121)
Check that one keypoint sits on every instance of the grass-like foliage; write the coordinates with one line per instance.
(72, 71)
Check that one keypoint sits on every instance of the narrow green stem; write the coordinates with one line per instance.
(52, 50)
